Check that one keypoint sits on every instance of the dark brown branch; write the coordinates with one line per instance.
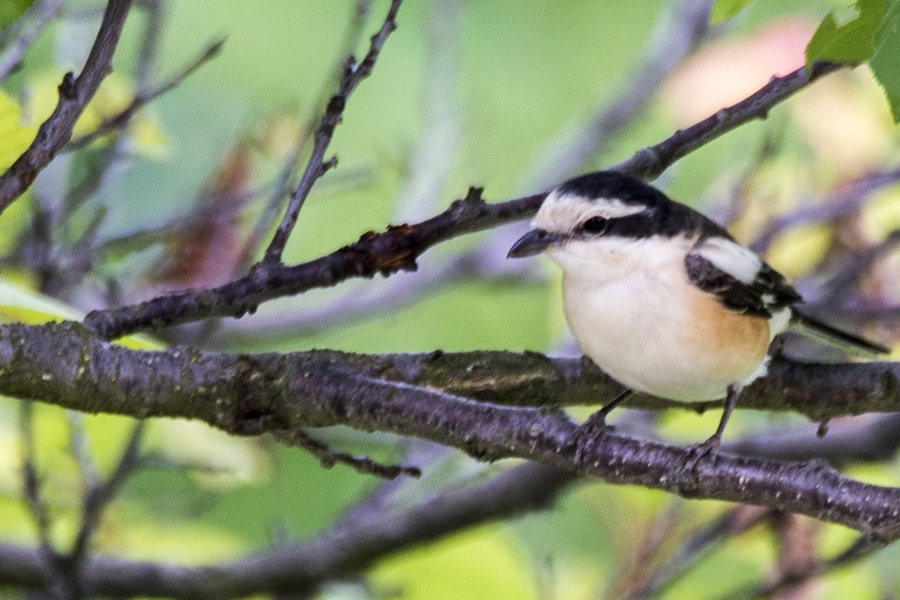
(317, 165)
(251, 395)
(398, 248)
(345, 550)
(394, 250)
(74, 94)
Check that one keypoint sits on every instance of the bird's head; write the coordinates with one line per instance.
(602, 215)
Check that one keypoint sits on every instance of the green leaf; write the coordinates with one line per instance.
(853, 42)
(10, 10)
(723, 10)
(884, 63)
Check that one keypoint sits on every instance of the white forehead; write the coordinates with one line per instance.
(562, 212)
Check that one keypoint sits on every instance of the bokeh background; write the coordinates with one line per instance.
(467, 92)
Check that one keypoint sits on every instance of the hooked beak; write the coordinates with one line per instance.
(534, 242)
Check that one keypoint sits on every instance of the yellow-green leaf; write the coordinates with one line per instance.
(884, 63)
(853, 42)
(723, 10)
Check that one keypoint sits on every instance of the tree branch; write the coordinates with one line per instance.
(398, 248)
(650, 162)
(344, 550)
(249, 395)
(74, 95)
(317, 166)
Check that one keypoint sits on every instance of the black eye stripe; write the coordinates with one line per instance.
(595, 225)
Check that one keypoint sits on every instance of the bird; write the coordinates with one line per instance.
(662, 298)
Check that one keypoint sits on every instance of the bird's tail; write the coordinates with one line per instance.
(835, 338)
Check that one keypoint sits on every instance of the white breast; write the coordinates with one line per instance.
(637, 316)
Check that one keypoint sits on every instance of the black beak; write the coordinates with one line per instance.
(533, 242)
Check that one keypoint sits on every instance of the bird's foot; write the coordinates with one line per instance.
(587, 433)
(700, 452)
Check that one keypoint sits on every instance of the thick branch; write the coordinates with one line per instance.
(250, 395)
(399, 247)
(74, 94)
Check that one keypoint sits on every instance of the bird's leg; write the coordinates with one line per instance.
(711, 446)
(595, 424)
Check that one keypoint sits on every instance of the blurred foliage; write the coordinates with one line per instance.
(10, 10)
(525, 73)
(16, 136)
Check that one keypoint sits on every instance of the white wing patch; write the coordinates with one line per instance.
(732, 258)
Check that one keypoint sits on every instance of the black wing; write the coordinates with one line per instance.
(765, 293)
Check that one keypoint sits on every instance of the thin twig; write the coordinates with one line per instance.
(74, 94)
(283, 182)
(429, 168)
(329, 457)
(148, 55)
(78, 444)
(656, 536)
(121, 119)
(650, 162)
(356, 304)
(66, 262)
(97, 497)
(864, 438)
(858, 267)
(52, 565)
(317, 166)
(378, 501)
(434, 156)
(31, 481)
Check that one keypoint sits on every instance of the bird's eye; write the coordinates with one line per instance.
(595, 225)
